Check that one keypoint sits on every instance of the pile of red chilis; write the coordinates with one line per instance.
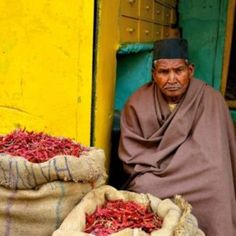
(117, 215)
(38, 147)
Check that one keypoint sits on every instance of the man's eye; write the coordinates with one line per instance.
(179, 70)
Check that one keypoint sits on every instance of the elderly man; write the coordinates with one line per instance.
(177, 137)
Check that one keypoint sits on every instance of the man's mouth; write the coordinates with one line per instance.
(172, 88)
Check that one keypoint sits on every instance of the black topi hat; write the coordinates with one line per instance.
(174, 48)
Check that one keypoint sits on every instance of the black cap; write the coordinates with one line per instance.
(174, 48)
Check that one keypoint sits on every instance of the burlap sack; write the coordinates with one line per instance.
(35, 198)
(177, 219)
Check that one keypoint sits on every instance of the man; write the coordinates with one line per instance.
(177, 137)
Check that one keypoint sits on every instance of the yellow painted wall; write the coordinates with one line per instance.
(108, 42)
(46, 66)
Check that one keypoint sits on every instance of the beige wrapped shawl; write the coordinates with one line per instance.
(190, 151)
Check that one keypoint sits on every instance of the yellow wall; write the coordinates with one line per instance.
(46, 66)
(105, 73)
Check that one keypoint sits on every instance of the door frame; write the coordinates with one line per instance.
(227, 49)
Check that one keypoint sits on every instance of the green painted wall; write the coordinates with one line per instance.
(203, 25)
(134, 62)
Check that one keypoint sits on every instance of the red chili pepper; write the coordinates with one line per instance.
(117, 215)
(38, 147)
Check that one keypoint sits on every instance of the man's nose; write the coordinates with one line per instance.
(172, 77)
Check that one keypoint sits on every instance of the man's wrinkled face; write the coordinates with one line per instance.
(172, 77)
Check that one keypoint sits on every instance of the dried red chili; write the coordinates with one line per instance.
(117, 215)
(38, 147)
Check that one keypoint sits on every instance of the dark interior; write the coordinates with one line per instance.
(231, 82)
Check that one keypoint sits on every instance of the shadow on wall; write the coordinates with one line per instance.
(117, 176)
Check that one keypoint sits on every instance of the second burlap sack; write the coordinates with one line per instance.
(176, 215)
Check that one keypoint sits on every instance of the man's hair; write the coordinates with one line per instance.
(187, 62)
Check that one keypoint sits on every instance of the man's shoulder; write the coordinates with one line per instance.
(141, 96)
(207, 88)
(210, 93)
(142, 91)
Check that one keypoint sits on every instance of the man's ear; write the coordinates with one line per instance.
(153, 74)
(153, 71)
(191, 68)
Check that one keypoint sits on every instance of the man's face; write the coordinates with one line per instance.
(172, 77)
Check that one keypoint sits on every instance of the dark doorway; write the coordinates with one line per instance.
(231, 80)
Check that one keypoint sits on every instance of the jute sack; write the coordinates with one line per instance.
(35, 198)
(177, 219)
